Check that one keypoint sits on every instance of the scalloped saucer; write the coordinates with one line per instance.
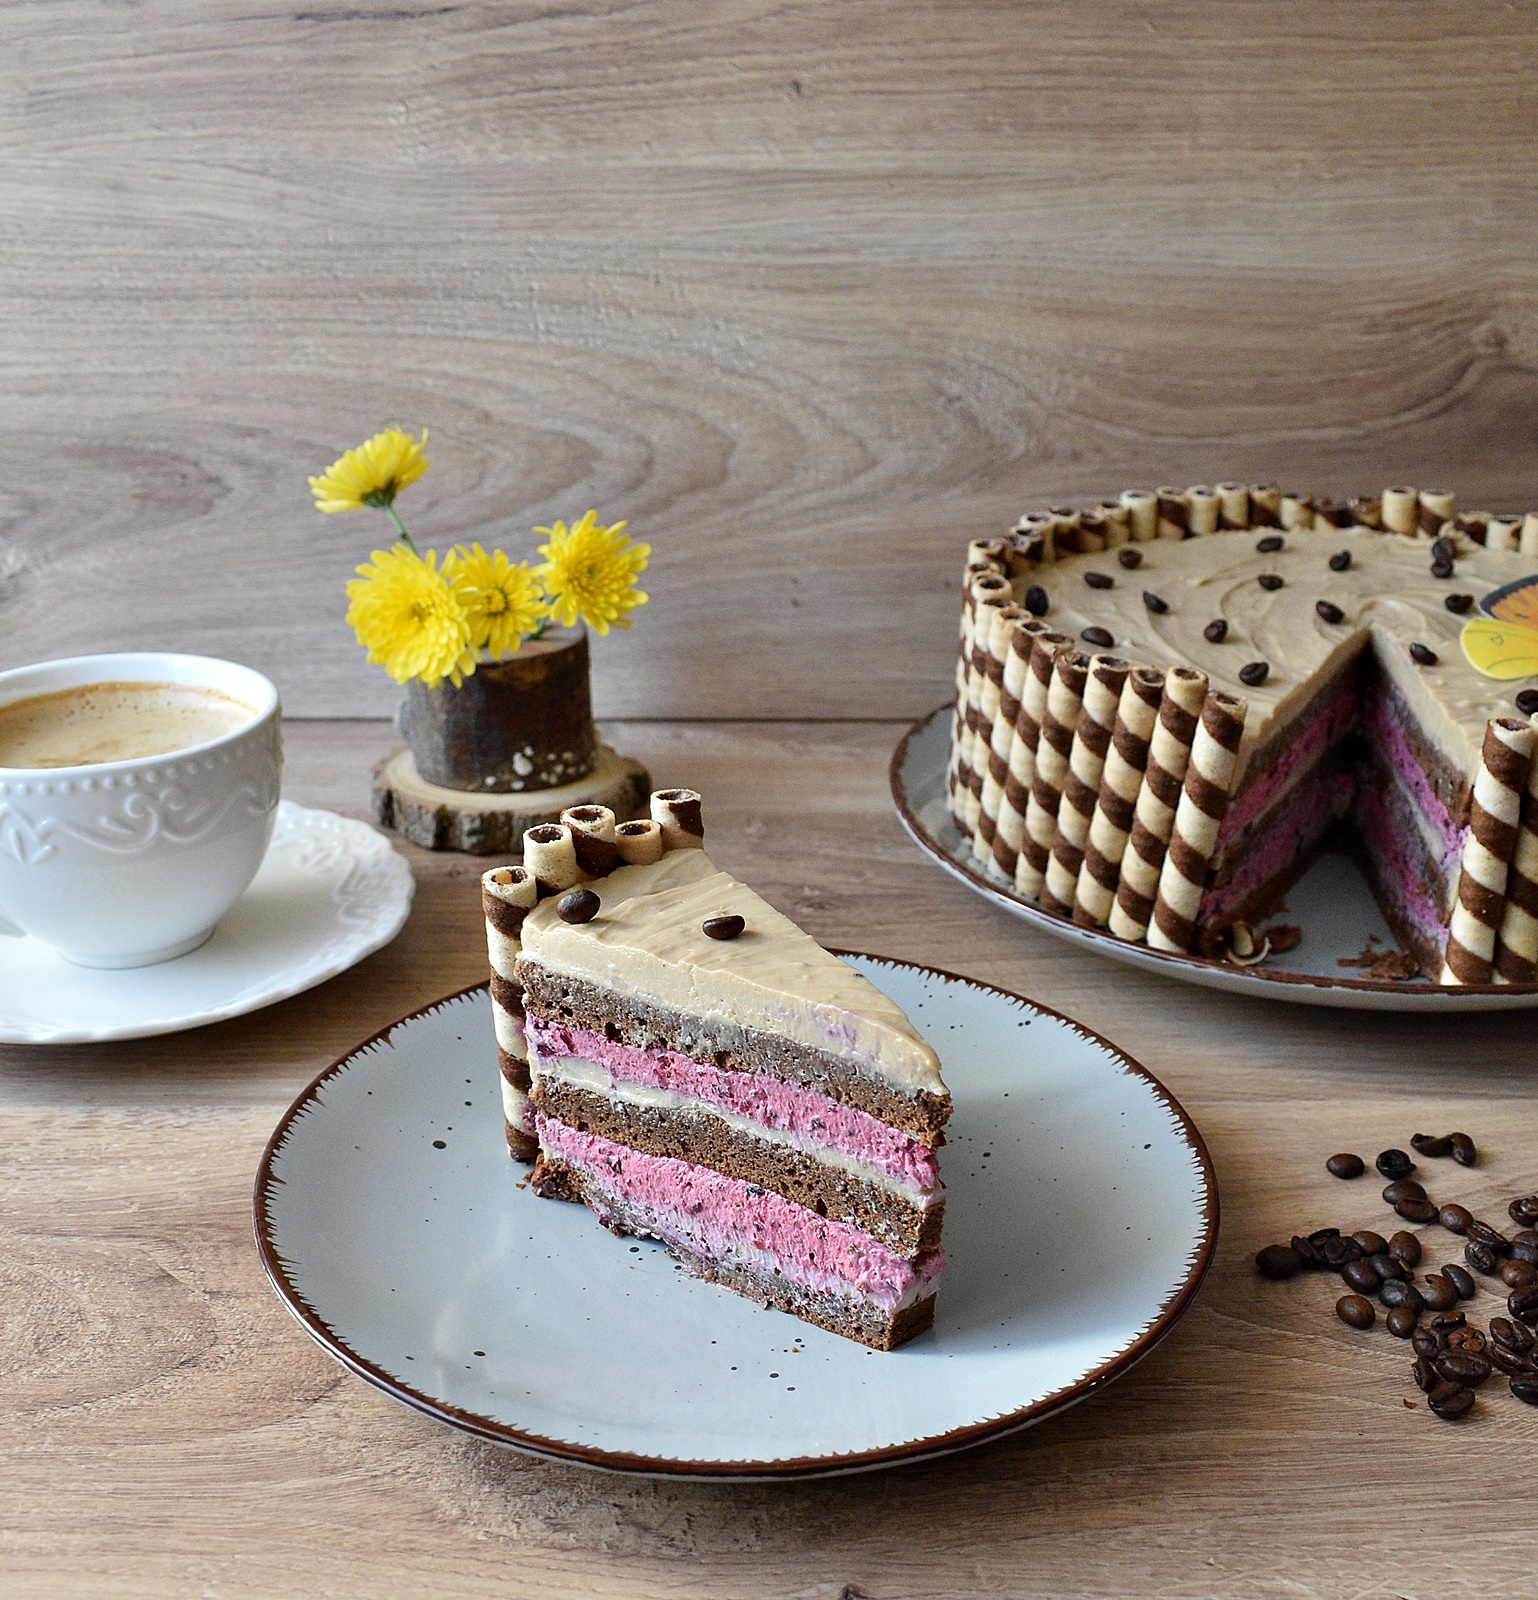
(330, 891)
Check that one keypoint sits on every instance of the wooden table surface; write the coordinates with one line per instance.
(166, 1429)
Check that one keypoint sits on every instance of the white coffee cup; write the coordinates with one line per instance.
(126, 863)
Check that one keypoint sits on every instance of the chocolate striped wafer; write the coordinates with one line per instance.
(1516, 949)
(508, 894)
(1265, 505)
(1434, 510)
(979, 729)
(1235, 501)
(1505, 762)
(1203, 510)
(679, 813)
(991, 584)
(1174, 515)
(1203, 804)
(1042, 647)
(1142, 510)
(1400, 510)
(592, 839)
(1169, 753)
(1013, 638)
(1120, 781)
(550, 858)
(995, 765)
(1065, 695)
(1081, 783)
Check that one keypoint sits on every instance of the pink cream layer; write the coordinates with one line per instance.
(1387, 735)
(804, 1115)
(697, 1210)
(1387, 841)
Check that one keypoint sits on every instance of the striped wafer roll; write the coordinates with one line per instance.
(1203, 509)
(1065, 695)
(1120, 781)
(1040, 646)
(1516, 950)
(1367, 512)
(1142, 513)
(1041, 528)
(1505, 764)
(1501, 533)
(987, 550)
(1174, 516)
(1118, 522)
(1434, 507)
(592, 838)
(1400, 510)
(1022, 556)
(1203, 805)
(977, 733)
(996, 764)
(1234, 502)
(1527, 536)
(1065, 522)
(1092, 531)
(1297, 512)
(1333, 514)
(677, 812)
(550, 855)
(508, 894)
(1265, 505)
(639, 843)
(1169, 753)
(1081, 783)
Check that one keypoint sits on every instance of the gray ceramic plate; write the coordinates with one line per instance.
(1331, 903)
(1080, 1218)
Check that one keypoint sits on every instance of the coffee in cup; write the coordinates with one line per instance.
(102, 722)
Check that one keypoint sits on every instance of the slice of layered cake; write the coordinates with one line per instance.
(698, 1070)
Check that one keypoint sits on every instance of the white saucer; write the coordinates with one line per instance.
(329, 892)
(1081, 1214)
(1331, 903)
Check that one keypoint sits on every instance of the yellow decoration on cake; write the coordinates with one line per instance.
(1504, 642)
(373, 474)
(411, 618)
(590, 572)
(503, 603)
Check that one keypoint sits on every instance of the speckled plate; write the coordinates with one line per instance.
(1080, 1219)
(1331, 903)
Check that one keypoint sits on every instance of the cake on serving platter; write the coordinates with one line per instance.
(682, 1058)
(1167, 706)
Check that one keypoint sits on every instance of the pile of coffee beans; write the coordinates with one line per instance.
(1453, 1358)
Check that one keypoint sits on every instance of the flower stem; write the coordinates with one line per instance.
(405, 537)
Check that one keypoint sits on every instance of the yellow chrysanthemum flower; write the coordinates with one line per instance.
(503, 603)
(590, 572)
(373, 474)
(411, 618)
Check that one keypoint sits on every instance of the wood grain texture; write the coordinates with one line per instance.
(166, 1430)
(807, 292)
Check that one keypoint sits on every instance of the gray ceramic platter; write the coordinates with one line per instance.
(1081, 1216)
(1331, 903)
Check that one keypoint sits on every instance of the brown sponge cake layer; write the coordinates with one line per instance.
(561, 997)
(705, 1140)
(853, 1319)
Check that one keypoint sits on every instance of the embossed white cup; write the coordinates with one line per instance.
(126, 863)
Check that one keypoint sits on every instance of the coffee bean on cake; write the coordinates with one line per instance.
(723, 927)
(1423, 655)
(1459, 603)
(1100, 580)
(1036, 601)
(1443, 549)
(1269, 545)
(1216, 631)
(1464, 1151)
(1395, 1164)
(1271, 581)
(577, 906)
(1340, 561)
(1254, 673)
(1130, 557)
(1329, 612)
(1345, 1165)
(1527, 702)
(1356, 1311)
(1101, 638)
(1154, 603)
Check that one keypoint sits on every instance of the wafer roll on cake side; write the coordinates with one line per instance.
(1118, 523)
(1044, 645)
(1527, 536)
(1041, 527)
(1434, 509)
(1065, 695)
(550, 855)
(996, 766)
(979, 729)
(508, 894)
(1016, 629)
(1265, 505)
(1169, 753)
(1142, 513)
(1203, 509)
(1501, 533)
(592, 839)
(678, 813)
(1204, 796)
(1174, 516)
(1081, 783)
(639, 843)
(1234, 504)
(1504, 768)
(1296, 512)
(1400, 511)
(1516, 949)
(987, 586)
(1121, 778)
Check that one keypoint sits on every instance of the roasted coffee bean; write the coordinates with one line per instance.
(1480, 1257)
(1269, 545)
(1524, 1212)
(1425, 1343)
(1401, 1292)
(1512, 1335)
(577, 905)
(1340, 561)
(722, 927)
(1518, 1274)
(1100, 580)
(1278, 1261)
(1424, 1373)
(1395, 1164)
(1510, 1362)
(1355, 1311)
(1345, 1165)
(1328, 611)
(1525, 1236)
(1527, 702)
(1405, 1247)
(1455, 1218)
(1254, 673)
(1450, 1401)
(1099, 637)
(1216, 631)
(1387, 1266)
(1401, 1321)
(1359, 1275)
(1445, 1327)
(1154, 603)
(1403, 1189)
(1464, 1152)
(1271, 581)
(1483, 1233)
(1036, 601)
(1443, 549)
(1460, 1280)
(1319, 1235)
(1428, 1144)
(1309, 1255)
(1337, 1252)
(1423, 655)
(1439, 1293)
(1526, 1389)
(1417, 1211)
(1130, 557)
(1522, 1250)
(1459, 603)
(1373, 1244)
(1523, 1304)
(1456, 1367)
(1441, 569)
(1468, 1341)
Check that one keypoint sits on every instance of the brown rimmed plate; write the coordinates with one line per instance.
(1081, 1216)
(1331, 903)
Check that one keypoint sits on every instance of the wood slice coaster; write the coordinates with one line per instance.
(494, 824)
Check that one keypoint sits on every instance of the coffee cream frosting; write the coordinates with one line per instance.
(1389, 597)
(647, 943)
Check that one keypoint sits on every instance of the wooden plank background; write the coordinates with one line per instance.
(808, 292)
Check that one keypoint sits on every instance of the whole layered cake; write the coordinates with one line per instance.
(1168, 705)
(683, 1059)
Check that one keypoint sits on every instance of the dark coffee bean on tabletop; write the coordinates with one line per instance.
(1526, 1389)
(1523, 1304)
(1372, 1244)
(1130, 557)
(1468, 1341)
(1307, 1251)
(1405, 1247)
(1278, 1261)
(1524, 1212)
(1254, 673)
(1355, 1311)
(1154, 603)
(1387, 1266)
(1525, 1236)
(1426, 1343)
(1403, 1189)
(1425, 1374)
(1439, 1293)
(1422, 654)
(1417, 1211)
(1337, 1252)
(577, 905)
(1460, 1280)
(1328, 611)
(1483, 1233)
(1400, 1292)
(1269, 545)
(1216, 631)
(1518, 1274)
(1319, 1235)
(1401, 1321)
(1450, 1401)
(1523, 1250)
(1036, 601)
(1457, 1367)
(1431, 1144)
(1455, 1218)
(1340, 561)
(1509, 1362)
(1345, 1165)
(1446, 1326)
(1360, 1276)
(1394, 1164)
(1100, 637)
(1480, 1257)
(1464, 1152)
(1459, 603)
(1511, 1335)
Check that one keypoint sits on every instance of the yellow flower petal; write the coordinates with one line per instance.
(503, 603)
(373, 474)
(411, 618)
(590, 572)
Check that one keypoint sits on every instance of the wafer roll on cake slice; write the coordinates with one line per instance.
(1400, 510)
(592, 839)
(1494, 820)
(1121, 778)
(550, 857)
(1081, 783)
(639, 843)
(993, 706)
(1516, 950)
(1203, 804)
(1153, 818)
(1174, 514)
(1044, 646)
(1065, 696)
(508, 894)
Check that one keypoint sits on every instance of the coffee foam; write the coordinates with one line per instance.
(104, 722)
